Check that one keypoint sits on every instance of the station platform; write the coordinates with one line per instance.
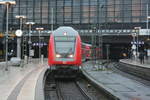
(117, 86)
(136, 62)
(23, 83)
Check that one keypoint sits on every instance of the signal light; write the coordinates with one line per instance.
(1, 35)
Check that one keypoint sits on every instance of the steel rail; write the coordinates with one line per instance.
(58, 91)
(82, 91)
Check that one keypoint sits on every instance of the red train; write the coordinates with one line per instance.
(86, 51)
(64, 49)
(90, 52)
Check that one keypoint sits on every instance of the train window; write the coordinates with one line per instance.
(65, 45)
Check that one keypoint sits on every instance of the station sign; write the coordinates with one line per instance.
(31, 53)
(144, 32)
(148, 52)
(39, 44)
(141, 32)
(140, 42)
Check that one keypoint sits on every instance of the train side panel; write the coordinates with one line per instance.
(51, 51)
(78, 57)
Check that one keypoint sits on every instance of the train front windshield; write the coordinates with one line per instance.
(65, 46)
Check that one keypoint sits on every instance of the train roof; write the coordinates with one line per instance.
(65, 29)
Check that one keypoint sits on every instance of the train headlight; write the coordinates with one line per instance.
(58, 55)
(71, 56)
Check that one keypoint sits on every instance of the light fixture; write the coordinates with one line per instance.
(39, 29)
(18, 33)
(71, 56)
(12, 2)
(58, 55)
(7, 3)
(20, 16)
(65, 33)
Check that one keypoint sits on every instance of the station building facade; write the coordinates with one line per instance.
(127, 13)
(111, 16)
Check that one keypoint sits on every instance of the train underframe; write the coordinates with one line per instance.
(65, 71)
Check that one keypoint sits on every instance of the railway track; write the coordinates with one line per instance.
(56, 89)
(141, 72)
(65, 90)
(132, 72)
(71, 90)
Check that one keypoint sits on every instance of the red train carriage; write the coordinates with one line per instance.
(86, 51)
(89, 52)
(64, 49)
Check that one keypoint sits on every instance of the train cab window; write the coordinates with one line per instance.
(65, 44)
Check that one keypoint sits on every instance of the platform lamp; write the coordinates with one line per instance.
(29, 42)
(39, 30)
(20, 17)
(137, 40)
(134, 45)
(148, 28)
(148, 17)
(7, 3)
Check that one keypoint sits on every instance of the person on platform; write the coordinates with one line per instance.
(141, 57)
(146, 54)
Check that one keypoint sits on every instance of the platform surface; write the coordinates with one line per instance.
(137, 62)
(116, 84)
(20, 83)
